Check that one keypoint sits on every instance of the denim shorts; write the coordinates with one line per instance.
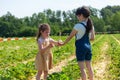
(83, 55)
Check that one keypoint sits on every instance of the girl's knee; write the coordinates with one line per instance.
(45, 71)
(39, 72)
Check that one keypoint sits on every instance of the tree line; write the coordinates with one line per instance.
(106, 19)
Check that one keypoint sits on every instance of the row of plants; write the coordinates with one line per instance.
(22, 50)
(22, 71)
(19, 72)
(117, 36)
(13, 52)
(114, 53)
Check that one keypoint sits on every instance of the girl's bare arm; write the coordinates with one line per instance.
(70, 36)
(54, 42)
(43, 49)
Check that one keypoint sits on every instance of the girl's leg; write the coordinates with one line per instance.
(82, 69)
(38, 75)
(90, 71)
(50, 60)
(45, 75)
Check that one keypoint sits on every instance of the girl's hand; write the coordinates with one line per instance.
(60, 43)
(51, 45)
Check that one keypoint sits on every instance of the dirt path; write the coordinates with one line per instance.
(58, 67)
(100, 67)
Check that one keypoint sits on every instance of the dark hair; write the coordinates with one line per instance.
(86, 13)
(42, 27)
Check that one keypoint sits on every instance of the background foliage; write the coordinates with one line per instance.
(106, 19)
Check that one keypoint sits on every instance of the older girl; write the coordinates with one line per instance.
(82, 30)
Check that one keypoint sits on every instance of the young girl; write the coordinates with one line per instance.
(83, 47)
(43, 59)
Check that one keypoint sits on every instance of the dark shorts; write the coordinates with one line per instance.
(83, 56)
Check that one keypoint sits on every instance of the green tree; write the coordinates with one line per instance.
(115, 23)
(28, 31)
(107, 13)
(98, 24)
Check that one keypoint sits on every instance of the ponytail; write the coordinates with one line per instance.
(89, 25)
(38, 35)
(85, 11)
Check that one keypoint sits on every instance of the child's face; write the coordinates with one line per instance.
(45, 33)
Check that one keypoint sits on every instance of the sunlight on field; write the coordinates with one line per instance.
(17, 59)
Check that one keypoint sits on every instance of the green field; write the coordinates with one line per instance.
(17, 58)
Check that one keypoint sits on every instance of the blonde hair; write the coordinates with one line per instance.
(42, 27)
